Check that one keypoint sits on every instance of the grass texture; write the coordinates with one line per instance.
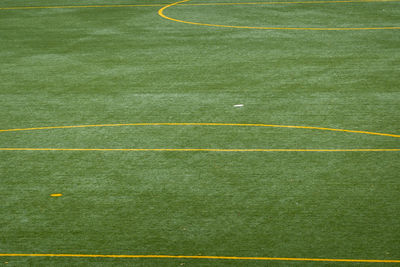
(108, 65)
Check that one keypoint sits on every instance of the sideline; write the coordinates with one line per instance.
(197, 257)
(85, 6)
(161, 13)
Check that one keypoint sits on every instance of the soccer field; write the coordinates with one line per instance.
(200, 133)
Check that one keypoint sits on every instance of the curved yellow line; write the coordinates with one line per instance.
(200, 124)
(161, 13)
(196, 4)
(195, 257)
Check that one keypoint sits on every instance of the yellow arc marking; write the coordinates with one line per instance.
(196, 257)
(202, 149)
(161, 13)
(289, 2)
(201, 124)
(197, 4)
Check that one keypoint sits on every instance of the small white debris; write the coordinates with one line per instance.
(238, 105)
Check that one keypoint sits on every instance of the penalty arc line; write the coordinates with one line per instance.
(201, 149)
(201, 124)
(194, 4)
(161, 14)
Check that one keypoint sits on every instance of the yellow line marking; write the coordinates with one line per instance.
(56, 195)
(196, 257)
(199, 149)
(161, 13)
(289, 2)
(200, 124)
(206, 149)
(86, 6)
(194, 4)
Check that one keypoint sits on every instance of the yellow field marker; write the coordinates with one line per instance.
(205, 149)
(83, 6)
(199, 124)
(56, 195)
(195, 257)
(288, 2)
(192, 4)
(161, 13)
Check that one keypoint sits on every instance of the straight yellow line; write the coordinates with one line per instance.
(289, 2)
(85, 6)
(206, 149)
(196, 4)
(197, 257)
(201, 124)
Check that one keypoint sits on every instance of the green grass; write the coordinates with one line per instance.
(128, 65)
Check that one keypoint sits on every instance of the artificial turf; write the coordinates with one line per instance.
(107, 65)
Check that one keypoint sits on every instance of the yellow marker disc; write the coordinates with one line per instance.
(56, 195)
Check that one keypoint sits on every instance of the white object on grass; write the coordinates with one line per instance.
(238, 105)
